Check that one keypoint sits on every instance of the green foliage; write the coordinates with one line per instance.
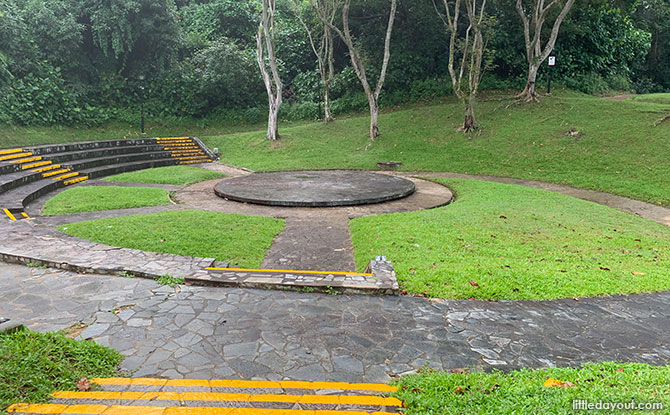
(169, 280)
(523, 391)
(33, 365)
(242, 240)
(96, 198)
(42, 98)
(199, 60)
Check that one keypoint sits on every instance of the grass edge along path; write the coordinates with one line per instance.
(176, 175)
(508, 242)
(33, 365)
(524, 391)
(241, 240)
(96, 198)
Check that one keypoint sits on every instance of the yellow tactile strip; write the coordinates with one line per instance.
(365, 401)
(264, 384)
(232, 397)
(181, 410)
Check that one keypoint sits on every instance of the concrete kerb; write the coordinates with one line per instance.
(10, 325)
(382, 281)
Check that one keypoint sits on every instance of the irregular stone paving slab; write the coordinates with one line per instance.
(379, 279)
(214, 333)
(27, 242)
(313, 244)
(32, 243)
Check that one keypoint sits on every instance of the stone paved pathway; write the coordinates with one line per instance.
(313, 244)
(199, 332)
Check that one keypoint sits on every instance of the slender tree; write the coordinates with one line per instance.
(468, 46)
(536, 52)
(267, 62)
(324, 50)
(356, 58)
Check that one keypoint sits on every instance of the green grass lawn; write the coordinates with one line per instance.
(17, 136)
(242, 240)
(95, 198)
(499, 241)
(614, 148)
(33, 365)
(523, 392)
(178, 175)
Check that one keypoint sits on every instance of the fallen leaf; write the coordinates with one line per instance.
(620, 369)
(458, 371)
(503, 217)
(83, 385)
(638, 273)
(555, 383)
(458, 390)
(473, 283)
(605, 269)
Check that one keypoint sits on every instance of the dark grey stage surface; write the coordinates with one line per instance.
(314, 188)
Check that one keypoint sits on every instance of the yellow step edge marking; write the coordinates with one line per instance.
(289, 271)
(172, 138)
(77, 180)
(12, 151)
(66, 176)
(43, 169)
(53, 173)
(25, 215)
(265, 384)
(171, 410)
(15, 156)
(32, 166)
(232, 397)
(9, 214)
(28, 160)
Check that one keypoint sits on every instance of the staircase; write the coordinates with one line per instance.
(148, 396)
(31, 172)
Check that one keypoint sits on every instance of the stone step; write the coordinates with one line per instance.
(20, 178)
(230, 397)
(17, 198)
(7, 167)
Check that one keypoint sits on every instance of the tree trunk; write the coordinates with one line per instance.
(529, 93)
(273, 124)
(328, 115)
(374, 116)
(470, 123)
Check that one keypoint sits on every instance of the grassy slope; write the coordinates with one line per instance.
(617, 149)
(34, 365)
(95, 198)
(179, 175)
(242, 240)
(517, 243)
(16, 136)
(522, 392)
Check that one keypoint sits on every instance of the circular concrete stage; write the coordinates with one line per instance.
(314, 188)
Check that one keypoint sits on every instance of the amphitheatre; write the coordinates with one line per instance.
(334, 207)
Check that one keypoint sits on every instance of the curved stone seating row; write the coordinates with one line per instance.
(31, 172)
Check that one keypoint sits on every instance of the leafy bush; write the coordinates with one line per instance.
(44, 99)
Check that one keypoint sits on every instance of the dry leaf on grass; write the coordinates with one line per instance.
(555, 383)
(83, 385)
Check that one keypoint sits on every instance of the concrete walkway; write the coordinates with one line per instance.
(227, 333)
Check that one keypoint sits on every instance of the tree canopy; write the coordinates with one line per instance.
(79, 61)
